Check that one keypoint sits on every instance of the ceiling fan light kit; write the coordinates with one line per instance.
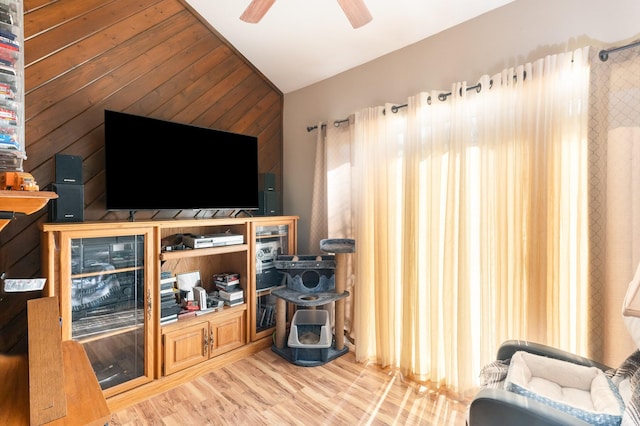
(355, 10)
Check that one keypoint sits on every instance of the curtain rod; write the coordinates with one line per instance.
(604, 54)
(336, 123)
(441, 96)
(395, 108)
(310, 128)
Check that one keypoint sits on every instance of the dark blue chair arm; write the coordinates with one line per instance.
(491, 407)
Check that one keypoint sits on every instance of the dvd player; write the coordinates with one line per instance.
(212, 240)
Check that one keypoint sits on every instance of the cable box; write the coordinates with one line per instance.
(212, 240)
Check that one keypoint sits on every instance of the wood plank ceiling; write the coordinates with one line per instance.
(155, 58)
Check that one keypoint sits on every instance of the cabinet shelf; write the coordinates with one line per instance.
(86, 329)
(268, 290)
(107, 272)
(181, 254)
(110, 333)
(279, 235)
(203, 317)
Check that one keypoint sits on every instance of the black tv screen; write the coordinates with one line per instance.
(153, 164)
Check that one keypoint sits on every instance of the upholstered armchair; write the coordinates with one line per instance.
(534, 384)
(495, 405)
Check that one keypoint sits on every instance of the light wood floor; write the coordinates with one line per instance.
(264, 389)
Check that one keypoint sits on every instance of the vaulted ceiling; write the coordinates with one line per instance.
(298, 43)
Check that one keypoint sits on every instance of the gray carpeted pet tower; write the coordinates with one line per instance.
(313, 281)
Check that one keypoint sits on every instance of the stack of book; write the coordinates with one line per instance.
(169, 306)
(229, 290)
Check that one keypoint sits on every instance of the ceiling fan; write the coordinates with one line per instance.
(355, 10)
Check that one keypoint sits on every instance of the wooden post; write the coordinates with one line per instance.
(341, 285)
(281, 322)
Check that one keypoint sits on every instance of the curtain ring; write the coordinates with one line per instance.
(442, 97)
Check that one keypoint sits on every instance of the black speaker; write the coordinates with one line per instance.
(69, 206)
(267, 182)
(268, 204)
(68, 169)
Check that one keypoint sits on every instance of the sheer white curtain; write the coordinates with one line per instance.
(469, 216)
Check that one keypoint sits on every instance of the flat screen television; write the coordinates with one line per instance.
(153, 164)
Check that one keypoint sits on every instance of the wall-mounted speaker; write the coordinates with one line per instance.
(68, 169)
(69, 206)
(268, 204)
(267, 182)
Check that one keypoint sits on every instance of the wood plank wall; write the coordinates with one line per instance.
(155, 58)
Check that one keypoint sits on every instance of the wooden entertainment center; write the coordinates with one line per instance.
(106, 276)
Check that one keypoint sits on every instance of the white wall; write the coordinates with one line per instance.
(519, 32)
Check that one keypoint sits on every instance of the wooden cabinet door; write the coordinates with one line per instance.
(228, 334)
(186, 347)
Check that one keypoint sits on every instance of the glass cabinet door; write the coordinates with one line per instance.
(110, 306)
(271, 240)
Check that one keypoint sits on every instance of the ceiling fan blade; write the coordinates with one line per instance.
(256, 10)
(356, 12)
